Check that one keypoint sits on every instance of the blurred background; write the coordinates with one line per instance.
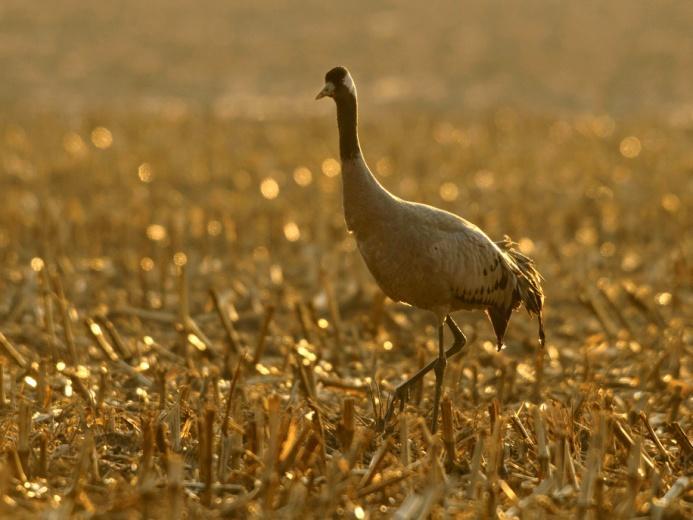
(623, 57)
(179, 122)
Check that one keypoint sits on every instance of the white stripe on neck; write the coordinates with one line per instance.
(349, 84)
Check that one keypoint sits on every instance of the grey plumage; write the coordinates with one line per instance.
(422, 255)
(435, 260)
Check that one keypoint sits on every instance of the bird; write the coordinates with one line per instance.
(425, 256)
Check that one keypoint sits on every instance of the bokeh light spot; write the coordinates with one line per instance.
(74, 145)
(484, 179)
(214, 228)
(630, 147)
(291, 231)
(145, 173)
(526, 246)
(156, 232)
(269, 188)
(331, 167)
(146, 264)
(180, 259)
(448, 191)
(671, 202)
(102, 137)
(37, 264)
(303, 176)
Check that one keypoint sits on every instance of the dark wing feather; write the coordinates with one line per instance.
(479, 272)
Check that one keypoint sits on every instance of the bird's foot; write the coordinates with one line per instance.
(400, 395)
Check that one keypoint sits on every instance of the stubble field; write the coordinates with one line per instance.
(124, 242)
(187, 330)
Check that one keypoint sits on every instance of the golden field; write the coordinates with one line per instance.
(186, 328)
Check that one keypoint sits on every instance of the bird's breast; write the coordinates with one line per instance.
(403, 268)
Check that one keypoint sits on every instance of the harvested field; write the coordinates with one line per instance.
(187, 330)
(187, 326)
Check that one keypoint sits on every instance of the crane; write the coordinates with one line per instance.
(425, 256)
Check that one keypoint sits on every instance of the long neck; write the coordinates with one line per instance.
(365, 199)
(347, 121)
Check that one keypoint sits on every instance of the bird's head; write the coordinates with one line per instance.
(338, 84)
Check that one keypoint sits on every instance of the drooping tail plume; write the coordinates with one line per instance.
(529, 283)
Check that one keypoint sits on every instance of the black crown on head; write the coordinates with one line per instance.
(336, 76)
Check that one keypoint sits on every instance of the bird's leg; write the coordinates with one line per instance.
(402, 390)
(460, 338)
(441, 362)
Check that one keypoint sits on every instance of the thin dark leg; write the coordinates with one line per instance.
(403, 389)
(440, 375)
(460, 338)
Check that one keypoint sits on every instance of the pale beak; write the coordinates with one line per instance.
(327, 90)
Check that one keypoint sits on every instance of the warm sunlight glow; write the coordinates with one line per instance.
(145, 173)
(303, 176)
(630, 147)
(156, 232)
(102, 137)
(37, 264)
(448, 191)
(331, 167)
(269, 188)
(292, 231)
(180, 259)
